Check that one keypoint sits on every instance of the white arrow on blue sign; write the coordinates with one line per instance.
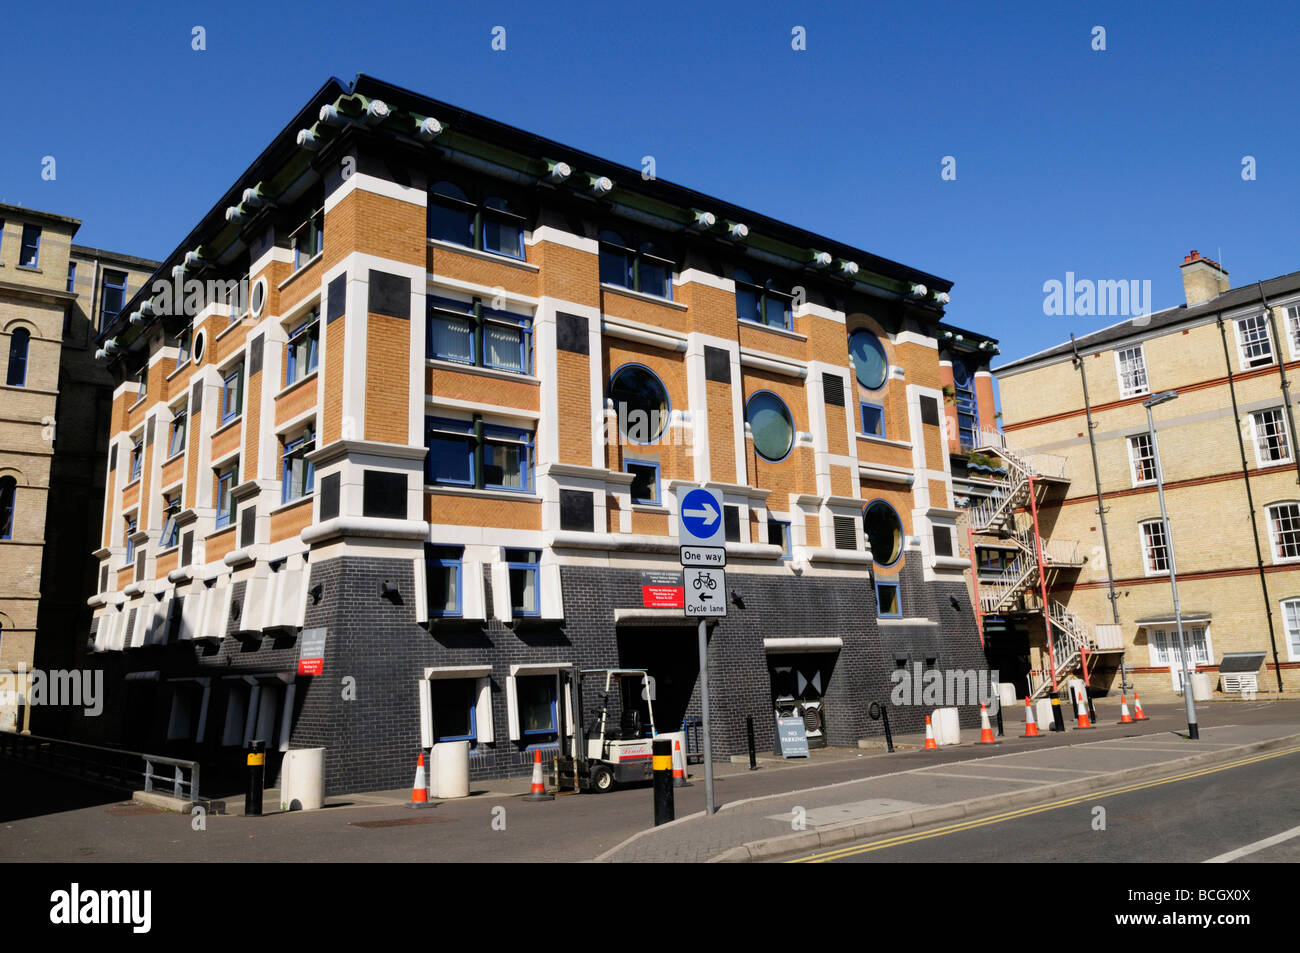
(699, 518)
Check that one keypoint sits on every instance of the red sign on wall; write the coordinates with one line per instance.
(662, 590)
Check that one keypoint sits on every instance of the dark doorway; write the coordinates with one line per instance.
(1006, 647)
(671, 657)
(800, 682)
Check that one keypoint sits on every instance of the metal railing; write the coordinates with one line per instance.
(108, 767)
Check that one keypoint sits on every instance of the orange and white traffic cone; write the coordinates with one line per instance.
(1124, 717)
(986, 732)
(679, 767)
(537, 791)
(1138, 713)
(1031, 723)
(1083, 714)
(930, 743)
(419, 790)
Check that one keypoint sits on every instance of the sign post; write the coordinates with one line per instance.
(703, 552)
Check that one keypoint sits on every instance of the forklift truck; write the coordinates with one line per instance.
(601, 755)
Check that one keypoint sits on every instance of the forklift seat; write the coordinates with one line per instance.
(630, 725)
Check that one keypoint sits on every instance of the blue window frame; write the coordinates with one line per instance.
(170, 535)
(301, 352)
(308, 239)
(873, 419)
(525, 595)
(8, 506)
(778, 534)
(762, 303)
(968, 418)
(72, 277)
(29, 255)
(184, 345)
(19, 344)
(226, 481)
(297, 473)
(454, 709)
(232, 393)
(176, 439)
(137, 459)
(535, 698)
(112, 296)
(645, 480)
(641, 269)
(491, 225)
(130, 544)
(443, 566)
(468, 333)
(472, 453)
(888, 605)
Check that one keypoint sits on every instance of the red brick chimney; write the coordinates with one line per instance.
(1203, 278)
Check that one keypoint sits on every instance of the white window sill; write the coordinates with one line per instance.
(482, 371)
(780, 332)
(484, 255)
(298, 383)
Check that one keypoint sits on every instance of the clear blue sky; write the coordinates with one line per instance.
(1110, 164)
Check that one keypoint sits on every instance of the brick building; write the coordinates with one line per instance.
(53, 442)
(445, 425)
(1227, 450)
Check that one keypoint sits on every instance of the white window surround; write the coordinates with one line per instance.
(550, 597)
(1148, 541)
(1291, 624)
(1255, 345)
(482, 675)
(472, 595)
(1284, 517)
(1138, 454)
(1131, 371)
(512, 696)
(1162, 643)
(1292, 319)
(1268, 428)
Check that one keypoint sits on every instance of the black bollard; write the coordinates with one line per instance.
(1058, 718)
(753, 754)
(256, 779)
(889, 735)
(1000, 731)
(663, 774)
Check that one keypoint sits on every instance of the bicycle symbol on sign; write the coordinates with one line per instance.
(703, 581)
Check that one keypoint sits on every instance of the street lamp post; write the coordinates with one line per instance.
(1193, 730)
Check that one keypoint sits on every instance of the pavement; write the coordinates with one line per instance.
(50, 820)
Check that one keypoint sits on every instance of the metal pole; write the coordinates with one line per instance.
(753, 753)
(704, 703)
(1193, 730)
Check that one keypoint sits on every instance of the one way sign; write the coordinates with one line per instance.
(699, 518)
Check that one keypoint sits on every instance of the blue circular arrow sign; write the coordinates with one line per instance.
(701, 514)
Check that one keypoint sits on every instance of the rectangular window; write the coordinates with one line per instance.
(297, 474)
(731, 524)
(1155, 548)
(1291, 616)
(507, 462)
(1254, 340)
(72, 277)
(451, 451)
(176, 441)
(232, 393)
(887, 604)
(184, 342)
(1132, 370)
(443, 566)
(1271, 442)
(468, 333)
(873, 419)
(1142, 459)
(645, 481)
(29, 255)
(112, 296)
(137, 459)
(525, 598)
(778, 534)
(1293, 328)
(454, 709)
(1284, 525)
(537, 715)
(1164, 646)
(308, 239)
(994, 562)
(301, 353)
(129, 531)
(170, 535)
(226, 482)
(471, 453)
(506, 339)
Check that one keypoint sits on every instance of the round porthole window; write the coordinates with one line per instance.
(869, 361)
(257, 297)
(641, 402)
(200, 342)
(771, 424)
(884, 531)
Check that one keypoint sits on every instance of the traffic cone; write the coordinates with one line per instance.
(679, 767)
(1138, 713)
(986, 732)
(419, 790)
(1031, 723)
(537, 791)
(1124, 717)
(930, 743)
(1083, 716)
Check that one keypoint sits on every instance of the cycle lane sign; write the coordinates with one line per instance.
(705, 592)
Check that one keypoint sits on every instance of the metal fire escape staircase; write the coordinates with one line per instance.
(1010, 514)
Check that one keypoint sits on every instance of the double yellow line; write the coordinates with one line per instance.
(913, 837)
